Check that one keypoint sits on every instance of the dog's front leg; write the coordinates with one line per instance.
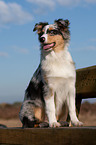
(71, 107)
(50, 109)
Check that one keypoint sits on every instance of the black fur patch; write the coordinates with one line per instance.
(40, 26)
(53, 32)
(35, 87)
(34, 91)
(27, 123)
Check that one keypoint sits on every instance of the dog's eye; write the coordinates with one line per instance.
(53, 32)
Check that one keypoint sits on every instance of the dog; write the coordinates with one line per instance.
(53, 83)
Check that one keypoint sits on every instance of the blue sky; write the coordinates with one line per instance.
(19, 46)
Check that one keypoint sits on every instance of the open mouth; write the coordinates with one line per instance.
(48, 46)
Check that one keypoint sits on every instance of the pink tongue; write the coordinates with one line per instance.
(48, 46)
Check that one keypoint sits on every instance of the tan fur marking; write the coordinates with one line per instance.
(36, 125)
(45, 78)
(43, 30)
(39, 27)
(59, 42)
(39, 113)
(50, 28)
(49, 95)
(39, 31)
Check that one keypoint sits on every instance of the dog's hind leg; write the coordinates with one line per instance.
(31, 114)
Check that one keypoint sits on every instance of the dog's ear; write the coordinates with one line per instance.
(39, 26)
(63, 26)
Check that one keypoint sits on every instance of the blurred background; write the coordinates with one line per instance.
(19, 46)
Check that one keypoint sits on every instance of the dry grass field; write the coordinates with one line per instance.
(9, 114)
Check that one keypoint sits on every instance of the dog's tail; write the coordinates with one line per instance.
(31, 114)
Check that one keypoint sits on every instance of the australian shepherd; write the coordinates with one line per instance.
(53, 83)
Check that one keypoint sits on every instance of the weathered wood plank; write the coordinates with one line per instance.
(48, 136)
(86, 82)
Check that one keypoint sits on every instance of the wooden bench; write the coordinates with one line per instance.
(47, 136)
(85, 84)
(86, 88)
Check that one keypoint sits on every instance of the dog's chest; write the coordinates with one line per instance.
(58, 65)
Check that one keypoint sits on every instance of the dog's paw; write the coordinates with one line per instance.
(77, 123)
(64, 123)
(44, 125)
(55, 124)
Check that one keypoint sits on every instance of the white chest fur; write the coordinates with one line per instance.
(58, 65)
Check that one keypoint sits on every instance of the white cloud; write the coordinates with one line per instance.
(42, 5)
(23, 51)
(52, 3)
(93, 39)
(91, 48)
(13, 13)
(90, 1)
(68, 2)
(48, 3)
(86, 48)
(75, 2)
(4, 54)
(20, 50)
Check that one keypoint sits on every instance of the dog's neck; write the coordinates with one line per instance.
(57, 50)
(54, 54)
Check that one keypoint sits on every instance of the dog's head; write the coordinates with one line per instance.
(54, 35)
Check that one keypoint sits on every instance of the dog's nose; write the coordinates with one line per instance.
(42, 39)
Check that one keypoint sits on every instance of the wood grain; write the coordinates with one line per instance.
(86, 82)
(49, 136)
